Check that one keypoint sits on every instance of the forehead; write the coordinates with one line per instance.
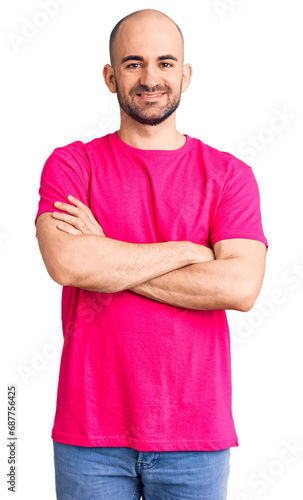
(151, 37)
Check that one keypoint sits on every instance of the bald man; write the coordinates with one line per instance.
(153, 235)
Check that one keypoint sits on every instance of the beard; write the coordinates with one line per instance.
(143, 114)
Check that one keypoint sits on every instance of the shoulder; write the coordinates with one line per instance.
(76, 154)
(220, 163)
(80, 149)
(75, 149)
(69, 159)
(98, 144)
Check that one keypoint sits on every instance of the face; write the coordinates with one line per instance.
(148, 74)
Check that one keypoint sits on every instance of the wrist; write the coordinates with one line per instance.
(198, 253)
(188, 253)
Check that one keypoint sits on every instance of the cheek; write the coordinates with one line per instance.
(126, 83)
(174, 82)
(174, 85)
(130, 85)
(125, 91)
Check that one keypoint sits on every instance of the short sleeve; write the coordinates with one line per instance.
(66, 171)
(238, 213)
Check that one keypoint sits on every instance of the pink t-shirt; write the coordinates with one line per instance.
(136, 372)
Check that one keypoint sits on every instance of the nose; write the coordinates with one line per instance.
(148, 77)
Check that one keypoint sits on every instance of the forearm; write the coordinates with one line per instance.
(106, 265)
(216, 284)
(180, 273)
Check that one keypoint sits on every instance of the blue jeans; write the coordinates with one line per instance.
(123, 473)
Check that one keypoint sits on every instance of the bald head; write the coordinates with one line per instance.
(141, 18)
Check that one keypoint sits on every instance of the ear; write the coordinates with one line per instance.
(109, 78)
(187, 74)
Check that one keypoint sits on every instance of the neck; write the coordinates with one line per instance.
(163, 136)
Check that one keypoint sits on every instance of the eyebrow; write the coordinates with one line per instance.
(139, 58)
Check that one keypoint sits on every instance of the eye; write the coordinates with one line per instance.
(131, 66)
(167, 65)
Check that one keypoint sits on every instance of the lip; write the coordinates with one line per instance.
(151, 97)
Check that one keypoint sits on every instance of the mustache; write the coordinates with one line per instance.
(142, 89)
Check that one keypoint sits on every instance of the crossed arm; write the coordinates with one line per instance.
(76, 252)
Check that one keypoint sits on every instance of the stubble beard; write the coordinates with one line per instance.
(143, 114)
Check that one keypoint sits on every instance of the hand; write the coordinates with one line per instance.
(202, 253)
(80, 220)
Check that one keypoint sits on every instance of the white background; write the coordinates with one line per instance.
(247, 62)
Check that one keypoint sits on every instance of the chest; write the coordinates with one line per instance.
(144, 203)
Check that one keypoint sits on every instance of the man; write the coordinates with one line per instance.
(153, 235)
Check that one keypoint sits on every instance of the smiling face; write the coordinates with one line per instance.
(148, 73)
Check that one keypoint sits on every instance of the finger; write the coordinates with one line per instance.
(66, 217)
(84, 207)
(76, 222)
(70, 219)
(67, 228)
(82, 214)
(88, 212)
(66, 207)
(76, 201)
(73, 211)
(79, 224)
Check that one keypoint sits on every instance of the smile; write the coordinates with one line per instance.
(150, 96)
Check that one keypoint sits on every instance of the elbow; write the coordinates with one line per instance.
(247, 299)
(55, 263)
(63, 275)
(69, 272)
(246, 304)
(59, 273)
(63, 279)
(58, 268)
